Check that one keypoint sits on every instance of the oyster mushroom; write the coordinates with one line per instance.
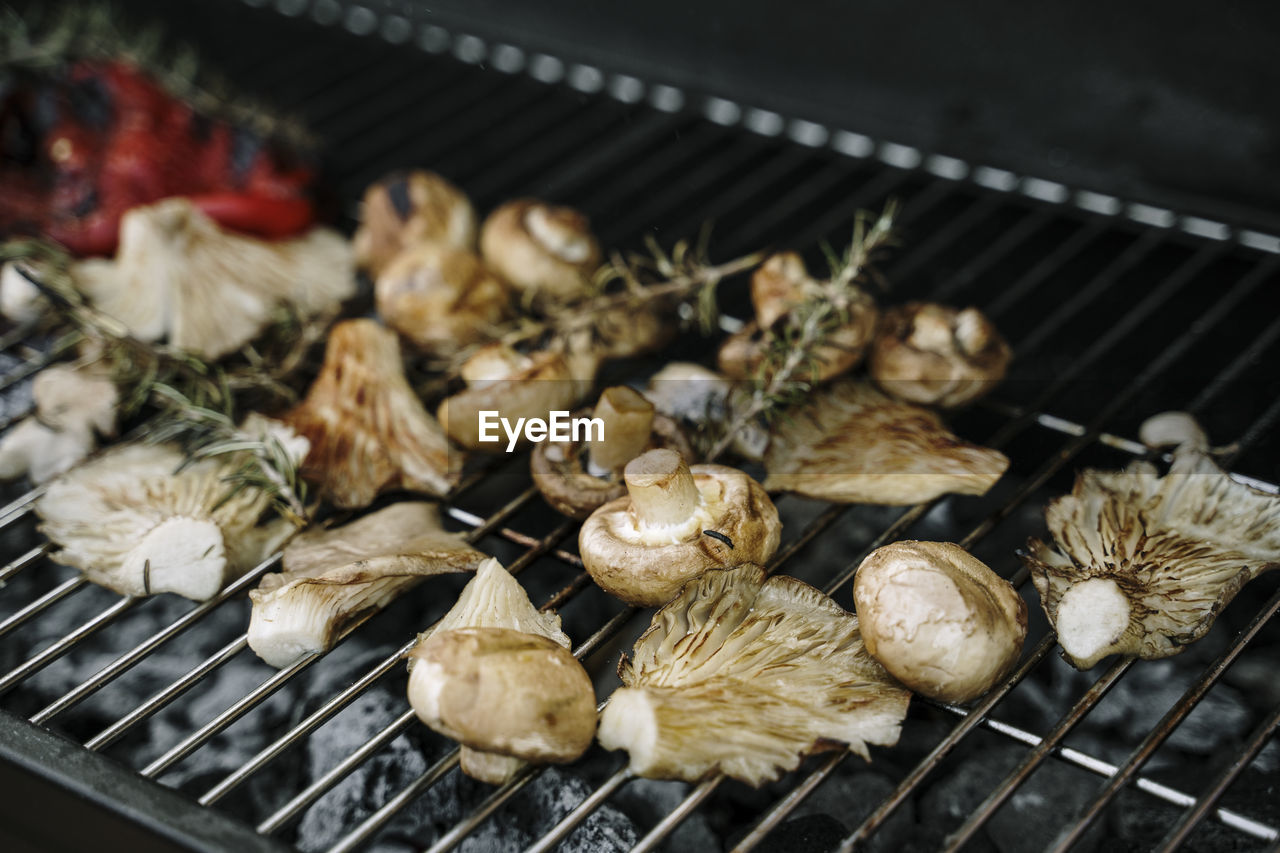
(440, 298)
(852, 444)
(496, 674)
(778, 287)
(333, 577)
(936, 355)
(938, 619)
(675, 523)
(513, 386)
(745, 676)
(138, 522)
(1141, 564)
(179, 275)
(368, 432)
(74, 406)
(409, 209)
(695, 396)
(628, 427)
(546, 252)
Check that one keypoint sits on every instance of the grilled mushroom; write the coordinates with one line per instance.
(333, 577)
(628, 426)
(20, 299)
(496, 675)
(745, 676)
(547, 253)
(368, 432)
(937, 355)
(777, 287)
(440, 298)
(74, 406)
(676, 523)
(852, 444)
(1142, 563)
(209, 291)
(938, 619)
(409, 209)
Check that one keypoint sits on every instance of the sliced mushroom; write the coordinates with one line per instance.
(676, 523)
(852, 444)
(138, 522)
(179, 275)
(74, 406)
(745, 676)
(333, 577)
(628, 426)
(496, 675)
(409, 209)
(1142, 563)
(938, 619)
(546, 252)
(513, 386)
(440, 298)
(936, 355)
(368, 432)
(780, 285)
(696, 396)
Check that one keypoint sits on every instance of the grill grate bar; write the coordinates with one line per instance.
(52, 652)
(24, 561)
(1015, 237)
(358, 836)
(489, 805)
(569, 822)
(42, 603)
(678, 814)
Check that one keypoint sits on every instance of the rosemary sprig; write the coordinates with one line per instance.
(787, 371)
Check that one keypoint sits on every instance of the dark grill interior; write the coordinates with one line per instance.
(1111, 318)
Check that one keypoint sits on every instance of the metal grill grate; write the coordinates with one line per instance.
(1110, 321)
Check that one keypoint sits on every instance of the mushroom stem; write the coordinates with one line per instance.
(182, 555)
(628, 422)
(1092, 617)
(663, 493)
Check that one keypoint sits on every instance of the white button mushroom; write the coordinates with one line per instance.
(547, 253)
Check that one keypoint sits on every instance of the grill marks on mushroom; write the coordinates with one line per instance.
(333, 577)
(410, 209)
(547, 253)
(368, 431)
(1141, 563)
(180, 276)
(850, 443)
(745, 676)
(937, 355)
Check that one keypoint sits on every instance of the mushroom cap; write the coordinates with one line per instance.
(440, 298)
(571, 490)
(495, 599)
(543, 250)
(368, 431)
(408, 209)
(937, 355)
(504, 691)
(640, 567)
(938, 619)
(850, 443)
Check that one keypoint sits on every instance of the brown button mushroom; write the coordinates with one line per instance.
(778, 287)
(627, 427)
(939, 619)
(676, 523)
(440, 298)
(407, 209)
(545, 252)
(937, 355)
(368, 432)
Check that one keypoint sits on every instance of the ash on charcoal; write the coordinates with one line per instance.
(850, 793)
(647, 801)
(814, 833)
(1138, 820)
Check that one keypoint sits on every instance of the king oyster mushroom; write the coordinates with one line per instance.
(852, 444)
(440, 298)
(514, 386)
(1142, 563)
(777, 287)
(745, 676)
(74, 405)
(546, 252)
(676, 523)
(408, 209)
(695, 396)
(179, 275)
(333, 577)
(496, 674)
(937, 355)
(628, 427)
(367, 430)
(139, 520)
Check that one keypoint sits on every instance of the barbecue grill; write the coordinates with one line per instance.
(149, 722)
